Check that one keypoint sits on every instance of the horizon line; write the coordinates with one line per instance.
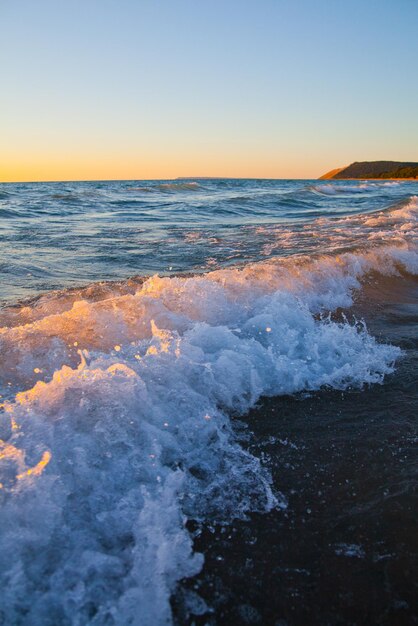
(115, 180)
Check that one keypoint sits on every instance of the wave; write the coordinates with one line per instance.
(118, 422)
(142, 189)
(264, 202)
(8, 213)
(167, 187)
(69, 197)
(5, 195)
(334, 189)
(191, 186)
(81, 196)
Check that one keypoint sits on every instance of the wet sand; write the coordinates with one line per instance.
(345, 551)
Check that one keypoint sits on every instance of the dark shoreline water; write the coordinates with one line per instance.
(345, 551)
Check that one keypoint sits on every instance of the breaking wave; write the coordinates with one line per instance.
(107, 457)
(333, 189)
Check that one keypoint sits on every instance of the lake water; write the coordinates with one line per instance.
(206, 383)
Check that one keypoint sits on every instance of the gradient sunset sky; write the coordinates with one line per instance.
(131, 89)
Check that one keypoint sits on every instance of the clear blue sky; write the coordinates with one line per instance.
(153, 89)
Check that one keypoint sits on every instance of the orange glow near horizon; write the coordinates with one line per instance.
(153, 90)
(122, 167)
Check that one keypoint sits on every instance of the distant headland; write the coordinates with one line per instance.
(375, 169)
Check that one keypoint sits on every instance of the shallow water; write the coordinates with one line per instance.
(126, 394)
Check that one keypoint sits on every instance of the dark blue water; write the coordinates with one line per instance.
(56, 235)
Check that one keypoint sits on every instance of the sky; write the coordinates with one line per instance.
(141, 89)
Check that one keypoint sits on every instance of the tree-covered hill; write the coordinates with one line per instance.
(375, 169)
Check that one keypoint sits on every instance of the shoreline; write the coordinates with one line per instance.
(344, 461)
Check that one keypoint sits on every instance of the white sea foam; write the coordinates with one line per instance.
(335, 188)
(128, 429)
